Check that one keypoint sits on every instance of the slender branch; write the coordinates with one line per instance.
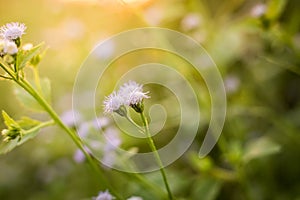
(24, 84)
(5, 77)
(41, 125)
(135, 124)
(38, 97)
(37, 78)
(157, 157)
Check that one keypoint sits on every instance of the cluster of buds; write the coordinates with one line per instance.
(11, 133)
(130, 94)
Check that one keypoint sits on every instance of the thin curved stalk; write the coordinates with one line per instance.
(156, 155)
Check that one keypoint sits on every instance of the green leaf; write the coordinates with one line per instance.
(6, 147)
(9, 122)
(27, 123)
(260, 147)
(275, 8)
(25, 56)
(28, 101)
(206, 188)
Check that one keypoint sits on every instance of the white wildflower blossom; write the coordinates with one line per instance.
(132, 93)
(113, 102)
(135, 198)
(10, 47)
(104, 196)
(12, 31)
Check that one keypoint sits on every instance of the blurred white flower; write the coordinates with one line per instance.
(27, 46)
(113, 102)
(79, 156)
(132, 93)
(112, 142)
(135, 198)
(84, 129)
(153, 16)
(10, 47)
(71, 118)
(258, 10)
(112, 138)
(100, 122)
(231, 83)
(104, 196)
(190, 21)
(12, 31)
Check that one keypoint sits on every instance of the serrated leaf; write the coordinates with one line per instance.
(260, 147)
(24, 56)
(28, 101)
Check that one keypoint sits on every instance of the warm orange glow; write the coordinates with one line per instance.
(133, 1)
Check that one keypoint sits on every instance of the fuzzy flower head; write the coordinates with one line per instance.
(132, 93)
(114, 103)
(12, 31)
(10, 47)
(104, 196)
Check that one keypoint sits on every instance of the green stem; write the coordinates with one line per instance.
(41, 125)
(36, 95)
(135, 124)
(157, 157)
(24, 84)
(37, 78)
(160, 193)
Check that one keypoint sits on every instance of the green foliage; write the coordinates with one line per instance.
(17, 132)
(206, 188)
(43, 87)
(260, 147)
(25, 56)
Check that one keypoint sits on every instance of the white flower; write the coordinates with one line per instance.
(112, 139)
(27, 46)
(132, 93)
(71, 117)
(190, 22)
(135, 198)
(100, 122)
(113, 102)
(10, 47)
(258, 10)
(12, 31)
(104, 196)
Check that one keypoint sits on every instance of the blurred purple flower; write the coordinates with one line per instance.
(101, 122)
(71, 118)
(104, 196)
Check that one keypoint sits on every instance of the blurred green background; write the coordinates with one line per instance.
(256, 46)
